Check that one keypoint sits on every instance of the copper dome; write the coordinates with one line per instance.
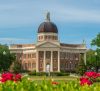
(46, 27)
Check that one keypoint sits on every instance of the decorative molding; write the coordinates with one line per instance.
(48, 45)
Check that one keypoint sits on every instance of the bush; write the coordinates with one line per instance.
(41, 73)
(98, 79)
(34, 73)
(59, 74)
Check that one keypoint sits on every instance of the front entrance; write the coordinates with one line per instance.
(47, 68)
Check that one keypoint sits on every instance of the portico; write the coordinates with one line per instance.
(48, 57)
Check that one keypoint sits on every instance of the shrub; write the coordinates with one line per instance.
(32, 73)
(59, 74)
(10, 77)
(40, 74)
(89, 78)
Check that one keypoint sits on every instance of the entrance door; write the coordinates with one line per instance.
(48, 68)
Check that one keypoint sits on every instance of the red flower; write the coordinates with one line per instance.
(98, 74)
(84, 81)
(9, 76)
(56, 83)
(17, 77)
(91, 74)
(6, 76)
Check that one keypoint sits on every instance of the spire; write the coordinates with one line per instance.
(84, 42)
(47, 17)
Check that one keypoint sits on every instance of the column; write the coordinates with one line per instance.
(51, 65)
(44, 61)
(85, 58)
(58, 61)
(37, 60)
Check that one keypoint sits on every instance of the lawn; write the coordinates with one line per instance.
(62, 78)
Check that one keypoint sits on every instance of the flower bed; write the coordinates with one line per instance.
(26, 84)
(10, 77)
(89, 78)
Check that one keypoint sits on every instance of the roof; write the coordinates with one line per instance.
(22, 46)
(46, 27)
(73, 45)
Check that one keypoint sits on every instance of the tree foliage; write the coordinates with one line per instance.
(17, 67)
(90, 57)
(96, 41)
(6, 58)
(81, 67)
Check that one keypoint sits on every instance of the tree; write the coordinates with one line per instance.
(81, 67)
(17, 66)
(6, 58)
(96, 42)
(90, 59)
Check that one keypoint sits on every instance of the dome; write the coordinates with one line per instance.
(46, 27)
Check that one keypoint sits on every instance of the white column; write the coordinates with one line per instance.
(51, 65)
(44, 61)
(37, 60)
(85, 58)
(58, 61)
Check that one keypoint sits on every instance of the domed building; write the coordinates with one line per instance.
(48, 54)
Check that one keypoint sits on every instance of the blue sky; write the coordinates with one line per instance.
(77, 20)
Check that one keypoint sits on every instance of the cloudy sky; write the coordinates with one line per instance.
(77, 20)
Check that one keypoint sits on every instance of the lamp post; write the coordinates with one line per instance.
(96, 62)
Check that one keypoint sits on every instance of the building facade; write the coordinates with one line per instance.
(48, 54)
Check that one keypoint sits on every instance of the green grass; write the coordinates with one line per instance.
(62, 78)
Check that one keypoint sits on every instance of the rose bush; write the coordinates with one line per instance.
(89, 78)
(10, 77)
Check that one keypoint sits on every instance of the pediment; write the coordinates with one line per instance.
(48, 45)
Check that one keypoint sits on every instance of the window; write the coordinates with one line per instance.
(46, 37)
(19, 46)
(49, 37)
(26, 66)
(28, 55)
(55, 54)
(41, 65)
(55, 65)
(66, 65)
(34, 55)
(41, 54)
(24, 55)
(33, 65)
(48, 54)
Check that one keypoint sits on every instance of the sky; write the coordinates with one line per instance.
(76, 20)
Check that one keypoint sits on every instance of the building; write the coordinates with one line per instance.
(48, 54)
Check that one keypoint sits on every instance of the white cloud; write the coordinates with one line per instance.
(15, 40)
(19, 13)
